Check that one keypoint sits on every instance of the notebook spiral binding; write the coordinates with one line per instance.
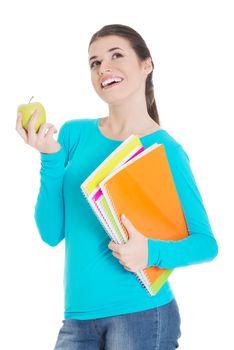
(102, 219)
(146, 286)
(149, 283)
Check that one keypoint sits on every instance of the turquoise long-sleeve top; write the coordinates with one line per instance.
(95, 283)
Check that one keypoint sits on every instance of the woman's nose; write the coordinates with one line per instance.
(104, 67)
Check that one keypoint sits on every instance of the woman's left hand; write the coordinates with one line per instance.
(133, 255)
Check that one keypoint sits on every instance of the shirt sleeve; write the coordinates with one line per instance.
(200, 246)
(49, 208)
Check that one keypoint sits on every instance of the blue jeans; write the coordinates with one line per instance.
(153, 329)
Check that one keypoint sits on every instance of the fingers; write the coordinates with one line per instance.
(126, 268)
(32, 122)
(118, 256)
(41, 133)
(52, 130)
(43, 128)
(19, 127)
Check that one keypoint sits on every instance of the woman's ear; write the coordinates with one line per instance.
(147, 65)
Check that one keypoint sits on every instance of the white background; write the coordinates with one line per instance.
(44, 52)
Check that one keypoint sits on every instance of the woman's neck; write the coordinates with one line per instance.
(127, 118)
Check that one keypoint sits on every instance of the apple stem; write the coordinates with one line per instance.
(31, 99)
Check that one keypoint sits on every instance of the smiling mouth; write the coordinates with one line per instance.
(109, 86)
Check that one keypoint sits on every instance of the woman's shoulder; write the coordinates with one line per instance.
(73, 127)
(173, 146)
(170, 140)
(75, 123)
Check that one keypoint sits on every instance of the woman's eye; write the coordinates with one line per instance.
(92, 65)
(118, 54)
(115, 54)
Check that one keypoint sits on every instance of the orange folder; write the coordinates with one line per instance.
(144, 190)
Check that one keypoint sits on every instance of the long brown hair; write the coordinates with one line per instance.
(138, 44)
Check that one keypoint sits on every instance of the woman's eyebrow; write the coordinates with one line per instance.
(112, 49)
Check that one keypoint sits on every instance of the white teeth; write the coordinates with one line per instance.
(108, 81)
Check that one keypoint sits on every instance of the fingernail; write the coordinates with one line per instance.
(124, 217)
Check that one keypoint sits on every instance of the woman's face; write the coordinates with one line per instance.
(115, 58)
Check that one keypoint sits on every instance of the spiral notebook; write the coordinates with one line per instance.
(148, 197)
(144, 190)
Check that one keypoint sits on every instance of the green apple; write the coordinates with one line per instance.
(27, 111)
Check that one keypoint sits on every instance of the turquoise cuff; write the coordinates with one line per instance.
(53, 164)
(153, 252)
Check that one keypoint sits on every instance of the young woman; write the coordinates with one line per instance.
(105, 305)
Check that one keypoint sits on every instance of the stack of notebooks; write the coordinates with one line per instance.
(137, 182)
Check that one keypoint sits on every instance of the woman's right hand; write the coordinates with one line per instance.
(41, 140)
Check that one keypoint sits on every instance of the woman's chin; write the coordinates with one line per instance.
(112, 98)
